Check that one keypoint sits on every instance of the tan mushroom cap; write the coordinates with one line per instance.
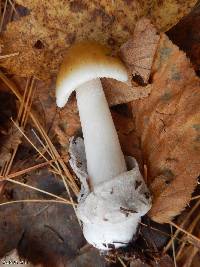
(84, 62)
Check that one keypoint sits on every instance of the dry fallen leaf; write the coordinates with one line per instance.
(42, 36)
(138, 62)
(168, 123)
(145, 41)
(119, 93)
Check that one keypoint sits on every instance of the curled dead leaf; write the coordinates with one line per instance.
(119, 93)
(168, 123)
(138, 55)
(144, 41)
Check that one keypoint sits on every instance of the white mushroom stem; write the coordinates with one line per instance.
(105, 159)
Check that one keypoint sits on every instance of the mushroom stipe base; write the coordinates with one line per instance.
(112, 211)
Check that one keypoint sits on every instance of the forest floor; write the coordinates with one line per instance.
(157, 117)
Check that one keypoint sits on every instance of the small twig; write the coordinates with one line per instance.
(173, 248)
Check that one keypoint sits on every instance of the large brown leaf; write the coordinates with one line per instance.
(42, 36)
(168, 123)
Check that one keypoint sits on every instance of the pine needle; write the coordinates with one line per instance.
(36, 201)
(9, 55)
(40, 129)
(121, 261)
(173, 248)
(39, 190)
(185, 241)
(55, 155)
(13, 7)
(182, 225)
(192, 237)
(3, 15)
(33, 168)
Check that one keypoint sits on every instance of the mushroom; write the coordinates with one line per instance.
(110, 213)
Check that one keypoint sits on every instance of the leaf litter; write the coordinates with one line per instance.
(42, 36)
(53, 231)
(158, 106)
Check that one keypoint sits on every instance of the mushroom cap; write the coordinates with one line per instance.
(84, 62)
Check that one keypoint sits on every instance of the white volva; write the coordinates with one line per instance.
(112, 210)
